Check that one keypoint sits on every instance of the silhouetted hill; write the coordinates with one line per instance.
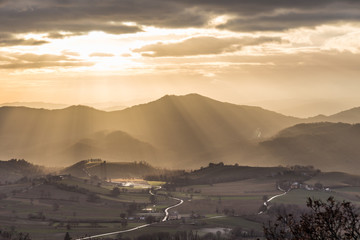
(99, 168)
(189, 131)
(347, 116)
(328, 146)
(111, 146)
(44, 105)
(220, 173)
(15, 169)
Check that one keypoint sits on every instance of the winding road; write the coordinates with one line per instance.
(173, 206)
(113, 233)
(141, 226)
(273, 197)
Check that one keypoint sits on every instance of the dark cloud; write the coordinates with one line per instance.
(89, 15)
(201, 46)
(7, 40)
(28, 61)
(57, 35)
(290, 20)
(82, 16)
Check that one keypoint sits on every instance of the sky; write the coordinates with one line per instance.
(298, 57)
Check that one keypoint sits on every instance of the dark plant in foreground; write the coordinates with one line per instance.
(325, 220)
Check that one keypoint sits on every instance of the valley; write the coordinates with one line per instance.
(182, 167)
(218, 197)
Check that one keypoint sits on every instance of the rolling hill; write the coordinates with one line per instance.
(15, 169)
(97, 167)
(328, 146)
(348, 116)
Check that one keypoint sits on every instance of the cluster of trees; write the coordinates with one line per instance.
(330, 220)
(70, 188)
(37, 216)
(13, 235)
(22, 166)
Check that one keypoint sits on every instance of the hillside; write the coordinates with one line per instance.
(348, 116)
(222, 173)
(186, 131)
(111, 146)
(14, 170)
(34, 105)
(328, 146)
(102, 169)
(196, 129)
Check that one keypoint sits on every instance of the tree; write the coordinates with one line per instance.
(324, 220)
(55, 206)
(115, 192)
(152, 199)
(149, 219)
(124, 222)
(92, 197)
(67, 236)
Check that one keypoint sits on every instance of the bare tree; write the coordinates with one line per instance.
(324, 220)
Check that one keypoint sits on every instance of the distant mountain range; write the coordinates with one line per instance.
(106, 106)
(174, 131)
(330, 146)
(35, 105)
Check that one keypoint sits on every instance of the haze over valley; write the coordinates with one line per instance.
(177, 131)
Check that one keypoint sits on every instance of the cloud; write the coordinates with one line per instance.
(290, 19)
(7, 40)
(32, 61)
(58, 35)
(201, 46)
(82, 16)
(101, 55)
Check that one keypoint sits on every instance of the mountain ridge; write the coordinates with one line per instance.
(190, 130)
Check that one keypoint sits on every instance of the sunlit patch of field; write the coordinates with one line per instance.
(156, 183)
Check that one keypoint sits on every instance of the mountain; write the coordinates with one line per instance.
(44, 105)
(347, 116)
(178, 131)
(192, 130)
(325, 145)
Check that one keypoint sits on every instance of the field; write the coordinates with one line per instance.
(47, 212)
(47, 208)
